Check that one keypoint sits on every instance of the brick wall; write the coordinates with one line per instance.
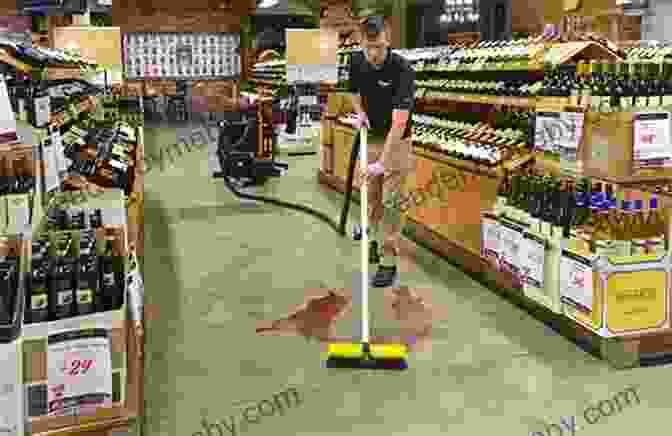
(190, 16)
(527, 16)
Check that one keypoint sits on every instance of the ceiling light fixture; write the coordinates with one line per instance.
(267, 3)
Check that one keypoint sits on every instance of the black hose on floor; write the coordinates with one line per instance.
(340, 227)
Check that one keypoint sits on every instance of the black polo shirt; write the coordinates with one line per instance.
(390, 88)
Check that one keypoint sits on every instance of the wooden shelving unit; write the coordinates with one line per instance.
(456, 235)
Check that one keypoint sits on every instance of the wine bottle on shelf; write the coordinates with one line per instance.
(63, 280)
(111, 289)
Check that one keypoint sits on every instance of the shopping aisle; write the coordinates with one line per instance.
(214, 268)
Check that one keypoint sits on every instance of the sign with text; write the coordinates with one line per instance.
(79, 371)
(652, 140)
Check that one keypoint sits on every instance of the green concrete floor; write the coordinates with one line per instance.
(214, 269)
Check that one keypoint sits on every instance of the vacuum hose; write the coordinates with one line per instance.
(339, 227)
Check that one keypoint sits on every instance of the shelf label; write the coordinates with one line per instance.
(636, 300)
(652, 141)
(532, 257)
(576, 280)
(556, 131)
(511, 237)
(490, 233)
(11, 413)
(79, 372)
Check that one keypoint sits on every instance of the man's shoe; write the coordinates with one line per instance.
(384, 277)
(374, 255)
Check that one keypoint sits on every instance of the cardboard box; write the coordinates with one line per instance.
(34, 343)
(618, 296)
(607, 146)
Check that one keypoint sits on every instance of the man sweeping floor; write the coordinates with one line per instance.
(382, 84)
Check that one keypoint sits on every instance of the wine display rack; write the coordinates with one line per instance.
(459, 237)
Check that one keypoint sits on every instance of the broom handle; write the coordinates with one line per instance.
(364, 203)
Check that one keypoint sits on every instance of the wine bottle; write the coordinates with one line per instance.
(112, 290)
(63, 281)
(87, 277)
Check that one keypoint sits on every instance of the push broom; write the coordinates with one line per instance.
(366, 355)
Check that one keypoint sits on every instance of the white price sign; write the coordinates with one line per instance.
(576, 280)
(51, 177)
(652, 141)
(11, 411)
(490, 234)
(510, 240)
(62, 162)
(532, 257)
(79, 371)
(558, 130)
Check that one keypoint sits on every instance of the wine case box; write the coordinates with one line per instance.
(19, 211)
(609, 296)
(607, 146)
(615, 296)
(34, 342)
(327, 131)
(327, 158)
(343, 140)
(20, 248)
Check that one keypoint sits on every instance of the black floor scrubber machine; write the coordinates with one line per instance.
(240, 169)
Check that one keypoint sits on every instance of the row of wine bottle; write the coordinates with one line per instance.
(71, 279)
(38, 57)
(479, 143)
(16, 174)
(612, 87)
(603, 221)
(450, 88)
(107, 152)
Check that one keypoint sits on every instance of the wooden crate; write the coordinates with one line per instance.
(126, 348)
(473, 193)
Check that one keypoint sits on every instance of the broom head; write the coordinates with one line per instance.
(367, 356)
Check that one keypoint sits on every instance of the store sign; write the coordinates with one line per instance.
(10, 391)
(558, 131)
(653, 140)
(79, 371)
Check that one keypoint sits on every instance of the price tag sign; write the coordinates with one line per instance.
(576, 280)
(532, 258)
(556, 131)
(62, 162)
(52, 180)
(653, 141)
(490, 233)
(510, 241)
(79, 371)
(11, 413)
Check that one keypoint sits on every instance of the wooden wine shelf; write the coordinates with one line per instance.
(481, 99)
(661, 176)
(493, 172)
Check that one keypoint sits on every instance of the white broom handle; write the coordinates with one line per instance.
(364, 203)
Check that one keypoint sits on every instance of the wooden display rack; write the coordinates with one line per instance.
(457, 235)
(120, 417)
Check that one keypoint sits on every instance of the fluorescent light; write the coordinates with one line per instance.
(268, 3)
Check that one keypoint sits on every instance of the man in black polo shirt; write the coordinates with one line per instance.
(382, 84)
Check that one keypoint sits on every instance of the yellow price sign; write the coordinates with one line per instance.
(636, 300)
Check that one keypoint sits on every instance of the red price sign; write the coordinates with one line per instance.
(75, 366)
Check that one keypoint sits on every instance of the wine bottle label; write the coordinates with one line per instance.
(39, 301)
(667, 100)
(642, 102)
(84, 297)
(625, 103)
(64, 298)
